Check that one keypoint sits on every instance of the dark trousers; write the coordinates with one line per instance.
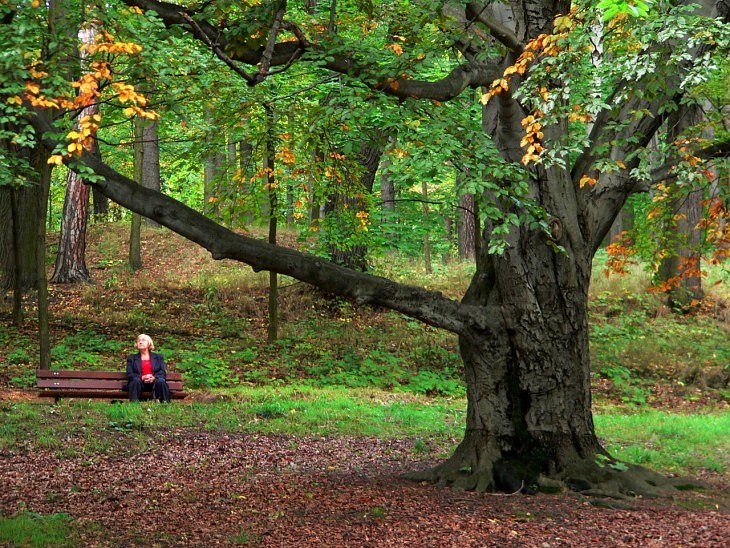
(160, 389)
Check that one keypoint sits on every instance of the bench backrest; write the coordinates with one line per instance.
(50, 378)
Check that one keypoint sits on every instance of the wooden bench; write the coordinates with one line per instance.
(95, 384)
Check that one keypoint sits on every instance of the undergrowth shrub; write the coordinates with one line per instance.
(206, 366)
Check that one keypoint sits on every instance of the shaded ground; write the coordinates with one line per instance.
(207, 489)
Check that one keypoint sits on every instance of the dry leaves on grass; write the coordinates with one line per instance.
(210, 489)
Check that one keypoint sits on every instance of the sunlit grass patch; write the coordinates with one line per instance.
(668, 442)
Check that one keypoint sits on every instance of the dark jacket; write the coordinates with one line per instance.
(134, 366)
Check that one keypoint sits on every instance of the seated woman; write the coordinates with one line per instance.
(146, 371)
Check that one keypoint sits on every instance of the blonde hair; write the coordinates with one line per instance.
(148, 339)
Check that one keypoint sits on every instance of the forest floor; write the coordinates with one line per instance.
(204, 489)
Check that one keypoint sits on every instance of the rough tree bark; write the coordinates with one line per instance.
(22, 265)
(522, 324)
(467, 228)
(70, 264)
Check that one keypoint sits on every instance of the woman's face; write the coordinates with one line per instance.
(142, 344)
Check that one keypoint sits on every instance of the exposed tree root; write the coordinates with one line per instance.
(602, 477)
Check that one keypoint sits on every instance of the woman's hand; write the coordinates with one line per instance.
(148, 378)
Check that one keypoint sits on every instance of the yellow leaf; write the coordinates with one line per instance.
(620, 164)
(56, 159)
(586, 180)
(563, 22)
(396, 48)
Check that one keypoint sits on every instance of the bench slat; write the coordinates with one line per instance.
(68, 374)
(93, 384)
(113, 394)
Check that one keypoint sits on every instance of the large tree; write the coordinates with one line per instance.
(544, 207)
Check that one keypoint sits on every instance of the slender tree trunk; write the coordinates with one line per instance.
(245, 158)
(290, 181)
(135, 243)
(681, 267)
(150, 150)
(273, 330)
(135, 232)
(232, 181)
(624, 221)
(467, 228)
(71, 257)
(17, 313)
(44, 336)
(426, 235)
(314, 205)
(101, 205)
(214, 165)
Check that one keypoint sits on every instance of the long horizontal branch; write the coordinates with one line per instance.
(446, 88)
(427, 306)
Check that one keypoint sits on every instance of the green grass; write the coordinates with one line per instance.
(100, 426)
(664, 441)
(668, 442)
(30, 529)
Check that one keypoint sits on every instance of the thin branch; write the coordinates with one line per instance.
(215, 48)
(271, 43)
(502, 34)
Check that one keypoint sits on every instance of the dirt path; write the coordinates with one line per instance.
(205, 489)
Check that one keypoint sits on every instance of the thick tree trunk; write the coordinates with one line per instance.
(71, 257)
(528, 383)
